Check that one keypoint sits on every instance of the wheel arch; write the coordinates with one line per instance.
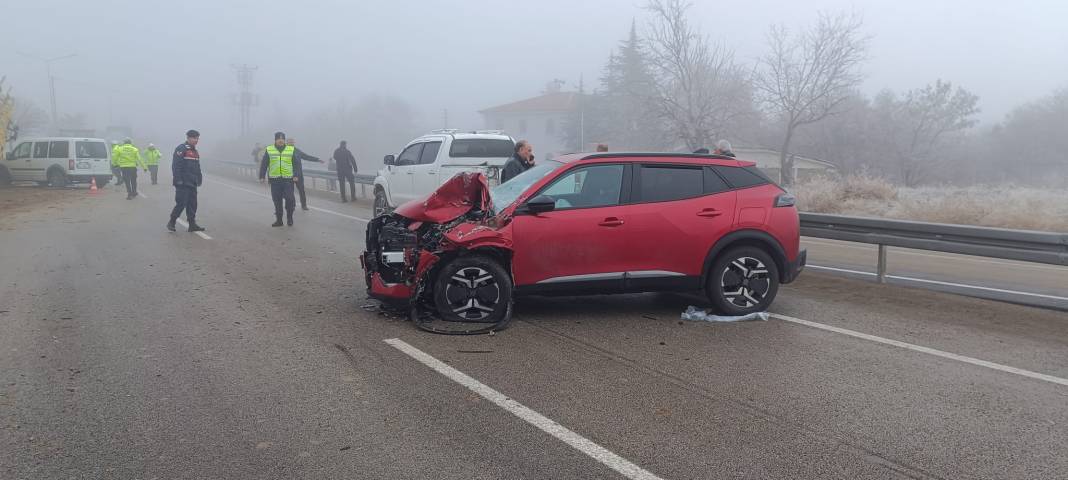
(746, 238)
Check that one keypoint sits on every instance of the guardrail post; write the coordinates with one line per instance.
(881, 268)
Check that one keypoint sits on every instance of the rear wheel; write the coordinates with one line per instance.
(743, 280)
(57, 178)
(5, 176)
(474, 289)
(101, 181)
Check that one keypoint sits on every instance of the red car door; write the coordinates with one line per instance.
(582, 244)
(677, 214)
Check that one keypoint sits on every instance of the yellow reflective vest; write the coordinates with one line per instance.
(280, 162)
(128, 157)
(152, 157)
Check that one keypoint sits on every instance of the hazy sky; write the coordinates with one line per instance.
(163, 67)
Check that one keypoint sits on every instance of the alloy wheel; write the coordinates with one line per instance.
(472, 293)
(745, 282)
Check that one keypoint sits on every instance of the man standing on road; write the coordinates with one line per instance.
(346, 170)
(520, 162)
(278, 165)
(152, 161)
(185, 167)
(257, 152)
(129, 158)
(115, 170)
(298, 158)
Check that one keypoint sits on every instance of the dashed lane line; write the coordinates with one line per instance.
(200, 234)
(543, 423)
(927, 350)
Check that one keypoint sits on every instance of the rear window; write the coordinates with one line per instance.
(91, 149)
(739, 177)
(481, 148)
(59, 149)
(666, 183)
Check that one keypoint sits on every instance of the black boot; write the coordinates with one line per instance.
(170, 225)
(289, 220)
(193, 227)
(277, 221)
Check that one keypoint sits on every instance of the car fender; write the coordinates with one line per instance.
(470, 236)
(380, 182)
(778, 252)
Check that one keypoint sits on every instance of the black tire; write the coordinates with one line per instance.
(474, 289)
(101, 182)
(5, 177)
(381, 205)
(743, 280)
(57, 178)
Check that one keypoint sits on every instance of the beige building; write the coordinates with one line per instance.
(539, 120)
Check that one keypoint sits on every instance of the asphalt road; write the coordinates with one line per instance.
(130, 352)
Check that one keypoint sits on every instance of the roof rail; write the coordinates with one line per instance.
(488, 132)
(447, 131)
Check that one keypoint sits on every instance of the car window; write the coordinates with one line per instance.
(430, 153)
(410, 155)
(504, 194)
(588, 187)
(22, 151)
(661, 183)
(91, 149)
(714, 183)
(481, 148)
(739, 177)
(59, 149)
(40, 149)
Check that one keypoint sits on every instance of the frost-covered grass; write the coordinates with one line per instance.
(1004, 206)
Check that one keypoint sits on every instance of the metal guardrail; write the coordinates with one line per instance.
(1023, 245)
(362, 180)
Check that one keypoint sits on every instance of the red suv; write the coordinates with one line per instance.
(588, 224)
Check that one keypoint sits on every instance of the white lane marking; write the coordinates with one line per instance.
(936, 282)
(258, 194)
(139, 194)
(199, 234)
(945, 256)
(576, 441)
(927, 350)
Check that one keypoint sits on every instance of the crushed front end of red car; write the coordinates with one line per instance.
(404, 246)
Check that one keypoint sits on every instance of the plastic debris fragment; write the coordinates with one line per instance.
(694, 314)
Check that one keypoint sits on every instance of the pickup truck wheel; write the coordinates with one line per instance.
(381, 206)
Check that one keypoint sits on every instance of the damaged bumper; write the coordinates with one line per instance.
(794, 268)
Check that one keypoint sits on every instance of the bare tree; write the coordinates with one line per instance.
(920, 123)
(700, 90)
(808, 77)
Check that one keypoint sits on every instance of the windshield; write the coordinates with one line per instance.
(504, 194)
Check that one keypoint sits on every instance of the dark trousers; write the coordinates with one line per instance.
(282, 189)
(341, 179)
(118, 176)
(129, 177)
(303, 196)
(185, 198)
(154, 170)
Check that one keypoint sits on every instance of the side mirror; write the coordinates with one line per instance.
(389, 160)
(540, 204)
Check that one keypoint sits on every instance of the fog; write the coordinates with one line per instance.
(164, 67)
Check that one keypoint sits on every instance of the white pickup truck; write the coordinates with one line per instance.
(428, 161)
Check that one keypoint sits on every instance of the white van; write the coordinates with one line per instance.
(58, 161)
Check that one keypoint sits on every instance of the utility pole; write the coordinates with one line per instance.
(245, 100)
(51, 83)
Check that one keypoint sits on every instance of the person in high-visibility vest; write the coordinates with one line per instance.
(152, 161)
(278, 165)
(115, 170)
(129, 158)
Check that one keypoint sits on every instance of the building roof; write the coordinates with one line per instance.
(549, 102)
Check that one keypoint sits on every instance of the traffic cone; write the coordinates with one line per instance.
(92, 186)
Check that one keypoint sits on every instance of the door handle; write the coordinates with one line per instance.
(410, 173)
(431, 172)
(611, 222)
(709, 212)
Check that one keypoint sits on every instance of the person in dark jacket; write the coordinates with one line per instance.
(185, 168)
(346, 170)
(298, 158)
(520, 162)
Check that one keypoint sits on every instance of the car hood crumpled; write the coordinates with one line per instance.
(457, 196)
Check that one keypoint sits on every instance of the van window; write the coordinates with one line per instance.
(22, 151)
(59, 149)
(91, 149)
(40, 149)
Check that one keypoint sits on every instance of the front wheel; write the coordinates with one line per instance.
(56, 178)
(474, 289)
(742, 281)
(381, 205)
